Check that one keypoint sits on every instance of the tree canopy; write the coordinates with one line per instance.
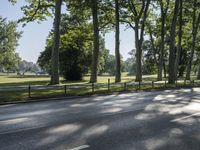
(165, 33)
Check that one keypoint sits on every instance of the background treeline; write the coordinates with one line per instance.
(165, 31)
(10, 61)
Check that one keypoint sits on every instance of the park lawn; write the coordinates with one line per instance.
(7, 81)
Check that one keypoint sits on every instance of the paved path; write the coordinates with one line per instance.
(135, 121)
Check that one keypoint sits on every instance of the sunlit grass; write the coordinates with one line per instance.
(19, 81)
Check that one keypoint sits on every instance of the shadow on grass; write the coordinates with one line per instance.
(22, 84)
(28, 76)
(12, 96)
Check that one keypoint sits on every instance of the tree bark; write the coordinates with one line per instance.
(138, 54)
(160, 66)
(153, 44)
(95, 54)
(198, 75)
(165, 70)
(179, 40)
(139, 39)
(172, 77)
(56, 43)
(162, 35)
(117, 43)
(195, 25)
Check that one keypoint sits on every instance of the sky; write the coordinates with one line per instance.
(34, 35)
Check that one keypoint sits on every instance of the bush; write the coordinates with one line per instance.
(73, 63)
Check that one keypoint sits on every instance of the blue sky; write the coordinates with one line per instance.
(34, 35)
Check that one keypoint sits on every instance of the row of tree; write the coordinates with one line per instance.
(171, 26)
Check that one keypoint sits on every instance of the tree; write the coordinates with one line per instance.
(39, 10)
(109, 65)
(139, 19)
(151, 46)
(130, 63)
(172, 76)
(163, 9)
(195, 26)
(9, 37)
(25, 66)
(44, 59)
(95, 55)
(75, 50)
(117, 43)
(150, 60)
(178, 53)
(198, 75)
(55, 49)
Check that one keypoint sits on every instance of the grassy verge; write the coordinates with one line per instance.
(14, 81)
(46, 93)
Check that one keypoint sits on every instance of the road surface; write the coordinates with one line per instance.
(156, 120)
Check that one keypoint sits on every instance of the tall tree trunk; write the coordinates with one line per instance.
(138, 54)
(162, 35)
(198, 75)
(162, 45)
(117, 44)
(179, 39)
(172, 77)
(160, 66)
(139, 41)
(95, 54)
(195, 25)
(56, 43)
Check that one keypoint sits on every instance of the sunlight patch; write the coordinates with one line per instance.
(170, 96)
(65, 129)
(13, 121)
(175, 132)
(144, 116)
(154, 143)
(159, 97)
(111, 110)
(81, 105)
(196, 89)
(96, 130)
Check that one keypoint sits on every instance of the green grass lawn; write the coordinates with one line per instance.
(20, 81)
(7, 81)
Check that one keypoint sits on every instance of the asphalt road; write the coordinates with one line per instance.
(157, 120)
